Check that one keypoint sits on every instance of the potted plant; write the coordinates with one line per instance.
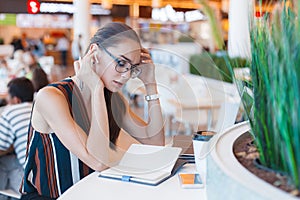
(275, 72)
(274, 117)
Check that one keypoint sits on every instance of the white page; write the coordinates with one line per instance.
(150, 158)
(145, 162)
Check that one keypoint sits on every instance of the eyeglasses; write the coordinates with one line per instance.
(123, 65)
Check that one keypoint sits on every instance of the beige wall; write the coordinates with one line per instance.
(8, 32)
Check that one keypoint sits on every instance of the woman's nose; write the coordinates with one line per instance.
(126, 74)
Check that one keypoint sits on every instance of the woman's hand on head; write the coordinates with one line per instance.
(147, 66)
(85, 69)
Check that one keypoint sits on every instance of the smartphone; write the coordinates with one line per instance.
(190, 180)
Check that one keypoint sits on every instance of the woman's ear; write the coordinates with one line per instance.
(96, 53)
(94, 47)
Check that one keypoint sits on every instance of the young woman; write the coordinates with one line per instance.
(76, 123)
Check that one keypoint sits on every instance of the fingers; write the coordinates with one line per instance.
(145, 56)
(83, 65)
(144, 50)
(76, 66)
(90, 59)
(146, 61)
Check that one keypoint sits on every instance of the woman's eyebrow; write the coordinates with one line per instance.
(128, 60)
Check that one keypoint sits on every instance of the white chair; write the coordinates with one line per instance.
(10, 194)
(226, 116)
(46, 62)
(195, 119)
(166, 81)
(6, 50)
(211, 97)
(179, 96)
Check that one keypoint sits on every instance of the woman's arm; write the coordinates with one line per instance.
(52, 108)
(98, 142)
(51, 112)
(152, 131)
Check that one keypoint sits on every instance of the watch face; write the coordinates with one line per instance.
(151, 97)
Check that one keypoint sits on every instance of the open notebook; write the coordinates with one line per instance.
(146, 164)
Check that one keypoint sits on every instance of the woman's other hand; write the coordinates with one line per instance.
(147, 66)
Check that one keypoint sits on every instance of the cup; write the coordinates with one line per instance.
(201, 149)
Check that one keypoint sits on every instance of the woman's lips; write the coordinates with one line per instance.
(118, 84)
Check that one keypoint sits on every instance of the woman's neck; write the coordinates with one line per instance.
(85, 93)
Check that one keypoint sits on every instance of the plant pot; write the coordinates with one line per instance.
(227, 178)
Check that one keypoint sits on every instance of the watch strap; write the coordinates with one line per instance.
(151, 97)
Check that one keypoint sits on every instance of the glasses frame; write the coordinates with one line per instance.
(132, 66)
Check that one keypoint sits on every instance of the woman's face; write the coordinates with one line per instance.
(128, 50)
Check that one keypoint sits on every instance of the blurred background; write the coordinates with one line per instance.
(178, 33)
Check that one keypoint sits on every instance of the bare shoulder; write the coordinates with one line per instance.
(50, 105)
(48, 93)
(49, 97)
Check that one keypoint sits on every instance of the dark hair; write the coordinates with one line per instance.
(115, 112)
(112, 33)
(39, 79)
(21, 88)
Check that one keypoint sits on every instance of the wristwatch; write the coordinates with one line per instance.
(151, 97)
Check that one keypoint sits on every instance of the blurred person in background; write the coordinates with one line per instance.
(5, 76)
(38, 49)
(17, 44)
(17, 63)
(27, 64)
(5, 70)
(63, 46)
(39, 79)
(30, 64)
(25, 42)
(14, 123)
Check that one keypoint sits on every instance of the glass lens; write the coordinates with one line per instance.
(122, 66)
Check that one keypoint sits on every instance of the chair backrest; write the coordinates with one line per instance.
(46, 62)
(226, 115)
(6, 50)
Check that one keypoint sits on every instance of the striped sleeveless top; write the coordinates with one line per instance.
(50, 168)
